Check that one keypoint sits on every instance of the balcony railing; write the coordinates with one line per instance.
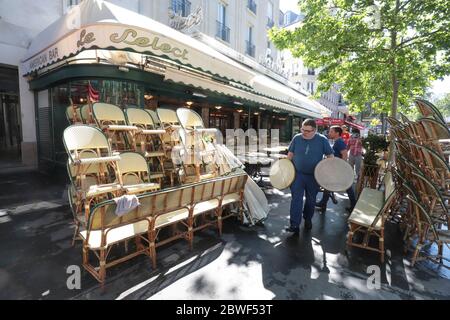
(270, 22)
(249, 48)
(182, 7)
(222, 31)
(251, 4)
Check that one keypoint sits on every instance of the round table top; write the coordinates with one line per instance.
(334, 174)
(282, 173)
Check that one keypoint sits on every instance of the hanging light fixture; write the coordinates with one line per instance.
(218, 107)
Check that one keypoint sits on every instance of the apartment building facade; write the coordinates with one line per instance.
(237, 28)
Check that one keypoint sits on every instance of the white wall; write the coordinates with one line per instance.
(20, 22)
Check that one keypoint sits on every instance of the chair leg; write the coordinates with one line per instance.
(416, 254)
(440, 251)
(102, 270)
(381, 244)
(219, 220)
(85, 253)
(191, 238)
(138, 241)
(350, 236)
(152, 251)
(77, 228)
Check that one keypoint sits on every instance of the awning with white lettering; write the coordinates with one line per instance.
(97, 24)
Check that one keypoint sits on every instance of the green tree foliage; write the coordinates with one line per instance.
(383, 52)
(443, 104)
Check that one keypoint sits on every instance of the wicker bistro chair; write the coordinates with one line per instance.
(369, 215)
(407, 220)
(431, 197)
(436, 136)
(90, 164)
(135, 174)
(155, 118)
(112, 121)
(157, 211)
(171, 141)
(86, 114)
(188, 160)
(404, 119)
(394, 122)
(105, 230)
(73, 114)
(218, 193)
(92, 186)
(148, 141)
(188, 203)
(198, 138)
(428, 234)
(428, 110)
(433, 164)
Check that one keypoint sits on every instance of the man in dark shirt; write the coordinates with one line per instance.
(340, 151)
(306, 150)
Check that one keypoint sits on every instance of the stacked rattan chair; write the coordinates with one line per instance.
(118, 162)
(199, 152)
(422, 174)
(93, 170)
(148, 141)
(111, 120)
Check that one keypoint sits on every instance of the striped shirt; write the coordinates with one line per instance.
(355, 146)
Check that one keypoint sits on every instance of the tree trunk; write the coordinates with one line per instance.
(395, 87)
(394, 78)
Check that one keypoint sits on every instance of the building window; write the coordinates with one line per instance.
(250, 47)
(311, 72)
(310, 87)
(222, 31)
(182, 7)
(270, 22)
(68, 4)
(251, 4)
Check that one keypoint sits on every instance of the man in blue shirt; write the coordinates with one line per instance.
(306, 150)
(340, 151)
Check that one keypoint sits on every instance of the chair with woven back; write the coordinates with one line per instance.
(172, 143)
(105, 230)
(136, 177)
(433, 164)
(393, 122)
(155, 118)
(111, 119)
(407, 221)
(148, 141)
(428, 110)
(428, 234)
(436, 136)
(199, 143)
(369, 215)
(92, 169)
(431, 197)
(86, 114)
(73, 113)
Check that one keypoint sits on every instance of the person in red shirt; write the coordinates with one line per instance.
(355, 147)
(345, 135)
